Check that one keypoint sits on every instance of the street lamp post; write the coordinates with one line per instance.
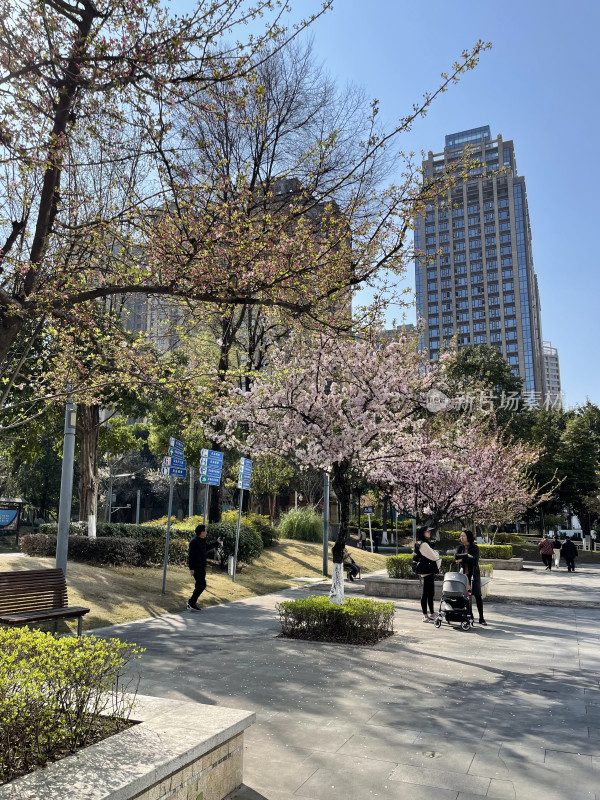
(66, 487)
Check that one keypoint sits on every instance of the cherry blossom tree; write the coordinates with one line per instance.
(465, 471)
(332, 404)
(100, 198)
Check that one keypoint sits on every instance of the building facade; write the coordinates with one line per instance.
(552, 374)
(475, 280)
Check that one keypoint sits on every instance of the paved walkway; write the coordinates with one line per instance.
(509, 711)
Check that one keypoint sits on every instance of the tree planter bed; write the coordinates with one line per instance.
(403, 587)
(180, 751)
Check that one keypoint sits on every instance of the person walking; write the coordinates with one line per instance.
(428, 566)
(199, 547)
(556, 551)
(569, 553)
(546, 550)
(467, 553)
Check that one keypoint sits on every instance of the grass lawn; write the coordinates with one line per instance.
(122, 594)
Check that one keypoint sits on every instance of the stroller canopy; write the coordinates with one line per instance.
(455, 585)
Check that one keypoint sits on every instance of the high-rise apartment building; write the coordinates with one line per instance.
(475, 279)
(552, 374)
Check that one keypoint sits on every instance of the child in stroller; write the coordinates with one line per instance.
(455, 605)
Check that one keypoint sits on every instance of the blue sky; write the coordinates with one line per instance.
(538, 86)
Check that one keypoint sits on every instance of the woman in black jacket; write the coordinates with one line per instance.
(569, 553)
(467, 553)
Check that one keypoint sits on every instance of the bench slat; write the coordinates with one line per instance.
(57, 613)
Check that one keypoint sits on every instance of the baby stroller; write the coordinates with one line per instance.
(455, 605)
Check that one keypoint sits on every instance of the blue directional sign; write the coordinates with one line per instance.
(210, 480)
(175, 444)
(215, 455)
(175, 472)
(214, 471)
(173, 461)
(245, 473)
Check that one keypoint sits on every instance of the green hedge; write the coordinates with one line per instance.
(257, 522)
(358, 621)
(400, 566)
(250, 545)
(117, 551)
(120, 529)
(52, 693)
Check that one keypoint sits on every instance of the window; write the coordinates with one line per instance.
(443, 226)
(494, 312)
(503, 215)
(509, 298)
(480, 339)
(474, 243)
(504, 226)
(449, 331)
(503, 203)
(458, 234)
(460, 246)
(505, 237)
(489, 240)
(510, 311)
(510, 335)
(445, 272)
(462, 304)
(461, 270)
(492, 276)
(495, 337)
(433, 297)
(447, 319)
(479, 315)
(458, 223)
(430, 240)
(477, 278)
(461, 281)
(462, 317)
(463, 329)
(432, 310)
(473, 209)
(475, 290)
(513, 359)
(493, 288)
(493, 301)
(489, 206)
(462, 292)
(434, 333)
(446, 295)
(432, 286)
(429, 228)
(506, 250)
(512, 348)
(479, 326)
(507, 286)
(477, 302)
(432, 273)
(459, 256)
(446, 306)
(433, 320)
(491, 252)
(494, 324)
(446, 283)
(489, 229)
(489, 217)
(507, 273)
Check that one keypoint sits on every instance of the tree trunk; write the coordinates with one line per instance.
(88, 425)
(342, 487)
(384, 514)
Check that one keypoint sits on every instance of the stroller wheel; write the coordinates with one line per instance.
(465, 625)
(438, 622)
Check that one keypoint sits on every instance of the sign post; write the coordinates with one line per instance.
(175, 466)
(369, 510)
(244, 476)
(209, 472)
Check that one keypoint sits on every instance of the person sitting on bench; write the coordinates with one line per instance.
(350, 565)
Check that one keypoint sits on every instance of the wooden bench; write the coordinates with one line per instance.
(35, 596)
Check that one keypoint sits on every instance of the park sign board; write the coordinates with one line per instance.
(174, 461)
(245, 473)
(176, 445)
(211, 467)
(174, 472)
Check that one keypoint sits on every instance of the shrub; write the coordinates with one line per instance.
(53, 692)
(358, 621)
(105, 529)
(259, 522)
(400, 566)
(495, 551)
(508, 538)
(304, 524)
(376, 522)
(250, 545)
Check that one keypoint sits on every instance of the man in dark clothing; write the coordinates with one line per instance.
(198, 549)
(569, 552)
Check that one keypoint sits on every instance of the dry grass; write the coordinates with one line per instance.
(122, 594)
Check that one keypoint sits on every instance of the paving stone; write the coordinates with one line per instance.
(441, 779)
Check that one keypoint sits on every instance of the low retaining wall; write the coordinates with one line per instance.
(505, 563)
(180, 750)
(403, 587)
